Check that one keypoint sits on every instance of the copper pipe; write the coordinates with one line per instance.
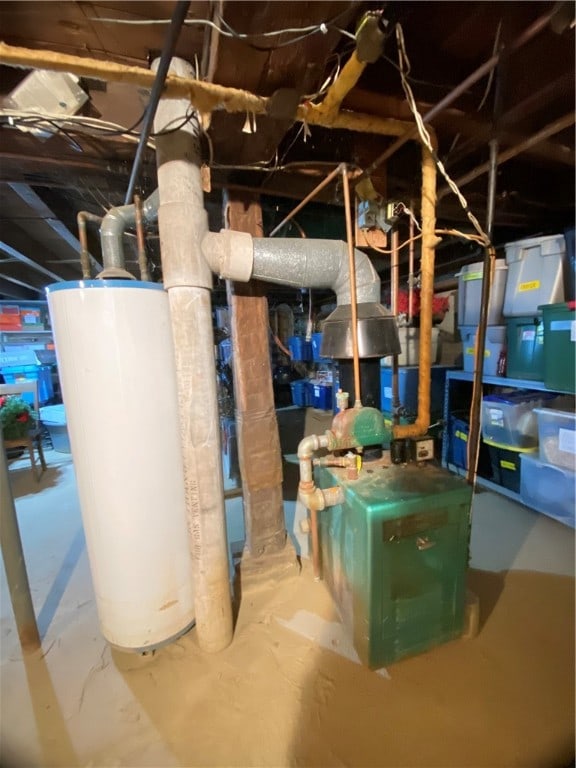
(331, 176)
(81, 219)
(550, 130)
(530, 32)
(352, 270)
(315, 544)
(394, 267)
(142, 260)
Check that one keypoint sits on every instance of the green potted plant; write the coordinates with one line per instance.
(16, 417)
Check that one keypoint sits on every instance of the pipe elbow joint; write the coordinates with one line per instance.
(310, 444)
(229, 254)
(312, 497)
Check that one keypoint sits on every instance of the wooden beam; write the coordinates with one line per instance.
(256, 424)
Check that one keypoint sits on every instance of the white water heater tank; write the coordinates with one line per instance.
(116, 366)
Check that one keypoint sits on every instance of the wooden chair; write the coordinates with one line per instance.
(34, 436)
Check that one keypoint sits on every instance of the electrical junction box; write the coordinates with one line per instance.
(47, 93)
(394, 555)
(422, 448)
(371, 214)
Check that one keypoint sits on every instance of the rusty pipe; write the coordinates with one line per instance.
(429, 242)
(81, 219)
(352, 274)
(138, 220)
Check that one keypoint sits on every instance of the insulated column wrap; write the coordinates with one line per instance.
(187, 277)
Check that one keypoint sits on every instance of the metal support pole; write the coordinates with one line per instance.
(14, 565)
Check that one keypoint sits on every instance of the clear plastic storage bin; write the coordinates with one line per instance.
(509, 420)
(410, 343)
(470, 293)
(548, 489)
(535, 274)
(557, 437)
(494, 344)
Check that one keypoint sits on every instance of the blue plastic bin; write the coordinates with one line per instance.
(408, 388)
(322, 396)
(458, 442)
(300, 392)
(41, 373)
(300, 349)
(316, 346)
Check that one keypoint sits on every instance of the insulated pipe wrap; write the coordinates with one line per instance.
(315, 264)
(183, 226)
(229, 254)
(429, 242)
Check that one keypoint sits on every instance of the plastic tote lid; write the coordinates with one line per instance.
(516, 398)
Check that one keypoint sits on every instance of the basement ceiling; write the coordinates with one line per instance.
(45, 181)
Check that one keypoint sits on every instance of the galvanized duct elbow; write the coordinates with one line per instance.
(315, 264)
(114, 224)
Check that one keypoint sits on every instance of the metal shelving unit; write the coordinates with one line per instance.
(499, 381)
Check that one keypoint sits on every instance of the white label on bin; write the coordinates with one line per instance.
(573, 330)
(561, 325)
(496, 417)
(528, 335)
(388, 392)
(567, 441)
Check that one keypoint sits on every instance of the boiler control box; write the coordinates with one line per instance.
(422, 448)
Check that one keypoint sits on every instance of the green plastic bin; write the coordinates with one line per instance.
(525, 345)
(559, 346)
(394, 556)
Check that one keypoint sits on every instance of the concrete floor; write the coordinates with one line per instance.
(77, 704)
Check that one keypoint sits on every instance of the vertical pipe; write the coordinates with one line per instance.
(183, 224)
(81, 219)
(487, 277)
(178, 17)
(315, 544)
(352, 272)
(142, 260)
(429, 241)
(395, 282)
(411, 269)
(14, 564)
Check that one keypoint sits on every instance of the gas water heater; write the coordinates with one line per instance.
(116, 365)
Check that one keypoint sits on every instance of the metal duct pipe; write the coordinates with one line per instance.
(183, 224)
(315, 264)
(115, 223)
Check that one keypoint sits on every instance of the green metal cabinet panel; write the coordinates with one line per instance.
(395, 555)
